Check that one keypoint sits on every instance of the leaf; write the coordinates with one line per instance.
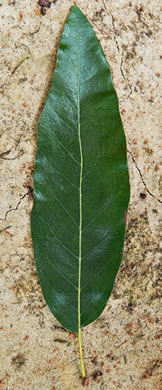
(81, 184)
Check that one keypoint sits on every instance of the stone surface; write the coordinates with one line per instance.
(121, 348)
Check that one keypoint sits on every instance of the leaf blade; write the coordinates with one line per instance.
(81, 181)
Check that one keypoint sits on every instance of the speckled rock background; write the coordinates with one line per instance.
(121, 348)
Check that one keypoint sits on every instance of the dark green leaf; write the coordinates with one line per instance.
(81, 185)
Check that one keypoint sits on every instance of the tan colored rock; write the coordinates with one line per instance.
(121, 348)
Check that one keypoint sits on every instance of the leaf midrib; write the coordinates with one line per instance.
(80, 219)
(80, 190)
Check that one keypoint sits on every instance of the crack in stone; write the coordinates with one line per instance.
(21, 152)
(35, 32)
(13, 158)
(27, 57)
(7, 81)
(121, 65)
(122, 56)
(138, 169)
(7, 227)
(103, 2)
(4, 153)
(139, 12)
(115, 33)
(121, 70)
(18, 204)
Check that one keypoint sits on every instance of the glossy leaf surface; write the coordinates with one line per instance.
(81, 184)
